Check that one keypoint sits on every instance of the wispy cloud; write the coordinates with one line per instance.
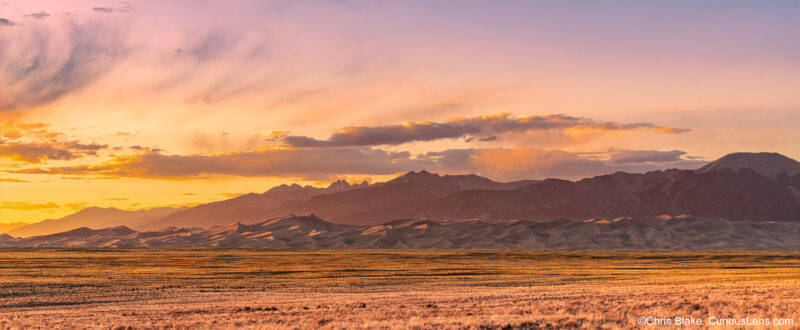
(42, 63)
(25, 206)
(12, 180)
(39, 15)
(645, 156)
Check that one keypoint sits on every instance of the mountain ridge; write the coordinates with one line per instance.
(97, 217)
(769, 164)
(738, 186)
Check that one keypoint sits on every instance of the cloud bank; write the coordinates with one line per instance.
(485, 128)
(321, 164)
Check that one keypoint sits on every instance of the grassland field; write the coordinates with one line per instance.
(148, 288)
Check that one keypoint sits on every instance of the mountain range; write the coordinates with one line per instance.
(738, 187)
(95, 217)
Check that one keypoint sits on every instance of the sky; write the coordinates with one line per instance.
(140, 104)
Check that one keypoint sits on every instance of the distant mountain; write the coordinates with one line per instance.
(4, 227)
(737, 187)
(443, 185)
(390, 200)
(721, 193)
(340, 202)
(770, 165)
(311, 232)
(740, 186)
(93, 217)
(247, 208)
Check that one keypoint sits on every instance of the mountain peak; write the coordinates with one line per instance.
(122, 230)
(412, 176)
(768, 164)
(285, 187)
(342, 185)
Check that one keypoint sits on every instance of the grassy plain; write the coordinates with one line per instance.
(146, 288)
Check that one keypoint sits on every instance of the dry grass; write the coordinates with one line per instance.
(388, 288)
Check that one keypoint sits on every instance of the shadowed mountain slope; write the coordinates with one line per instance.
(93, 217)
(768, 164)
(247, 208)
(720, 191)
(340, 202)
(740, 195)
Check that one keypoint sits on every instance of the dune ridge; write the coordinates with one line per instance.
(665, 233)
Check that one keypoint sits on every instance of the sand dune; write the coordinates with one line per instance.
(653, 233)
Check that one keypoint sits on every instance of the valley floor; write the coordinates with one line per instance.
(142, 288)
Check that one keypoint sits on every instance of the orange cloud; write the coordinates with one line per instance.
(12, 180)
(25, 206)
(278, 162)
(77, 206)
(15, 131)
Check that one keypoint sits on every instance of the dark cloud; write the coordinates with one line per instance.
(139, 148)
(645, 156)
(6, 22)
(39, 15)
(103, 9)
(38, 152)
(39, 67)
(484, 127)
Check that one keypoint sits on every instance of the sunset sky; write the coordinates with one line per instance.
(138, 104)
